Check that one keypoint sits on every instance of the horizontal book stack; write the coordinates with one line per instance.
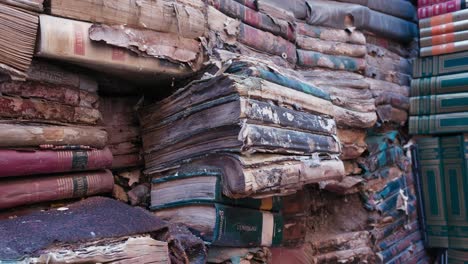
(51, 147)
(250, 132)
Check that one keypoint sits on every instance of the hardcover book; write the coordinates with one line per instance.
(439, 124)
(440, 65)
(439, 104)
(201, 186)
(223, 225)
(446, 84)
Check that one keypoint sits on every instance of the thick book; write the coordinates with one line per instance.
(440, 65)
(434, 191)
(31, 5)
(309, 58)
(71, 43)
(222, 225)
(439, 104)
(445, 84)
(29, 190)
(440, 20)
(454, 163)
(439, 124)
(441, 8)
(22, 134)
(174, 17)
(447, 48)
(457, 256)
(422, 3)
(30, 162)
(17, 39)
(443, 29)
(259, 175)
(436, 40)
(201, 186)
(397, 8)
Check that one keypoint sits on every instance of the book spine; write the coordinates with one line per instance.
(30, 190)
(315, 59)
(443, 39)
(443, 29)
(443, 19)
(441, 8)
(423, 3)
(448, 84)
(19, 163)
(440, 65)
(19, 135)
(455, 176)
(433, 185)
(438, 124)
(267, 42)
(457, 256)
(238, 227)
(439, 104)
(444, 49)
(255, 19)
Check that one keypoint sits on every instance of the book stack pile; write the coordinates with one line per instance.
(250, 132)
(51, 147)
(439, 108)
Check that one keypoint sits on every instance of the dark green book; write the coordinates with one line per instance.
(440, 65)
(439, 104)
(439, 124)
(457, 256)
(454, 169)
(453, 83)
(433, 189)
(201, 187)
(223, 225)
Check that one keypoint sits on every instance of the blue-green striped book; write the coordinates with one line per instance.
(433, 188)
(453, 83)
(439, 104)
(439, 124)
(457, 256)
(440, 65)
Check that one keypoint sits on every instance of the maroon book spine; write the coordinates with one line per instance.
(21, 163)
(30, 190)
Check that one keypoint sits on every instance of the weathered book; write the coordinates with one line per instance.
(448, 84)
(398, 8)
(441, 8)
(454, 163)
(447, 48)
(46, 72)
(448, 19)
(17, 39)
(23, 191)
(124, 250)
(439, 104)
(34, 135)
(330, 34)
(403, 50)
(40, 110)
(457, 256)
(256, 19)
(316, 59)
(332, 14)
(440, 65)
(31, 5)
(331, 47)
(51, 92)
(163, 16)
(388, 254)
(394, 99)
(267, 42)
(71, 43)
(260, 175)
(223, 225)
(201, 186)
(278, 8)
(434, 191)
(439, 124)
(30, 162)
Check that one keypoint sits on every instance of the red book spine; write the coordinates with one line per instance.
(423, 3)
(20, 163)
(30, 190)
(439, 9)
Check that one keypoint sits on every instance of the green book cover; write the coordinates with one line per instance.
(439, 124)
(433, 188)
(457, 256)
(439, 104)
(454, 170)
(240, 227)
(440, 65)
(453, 83)
(203, 196)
